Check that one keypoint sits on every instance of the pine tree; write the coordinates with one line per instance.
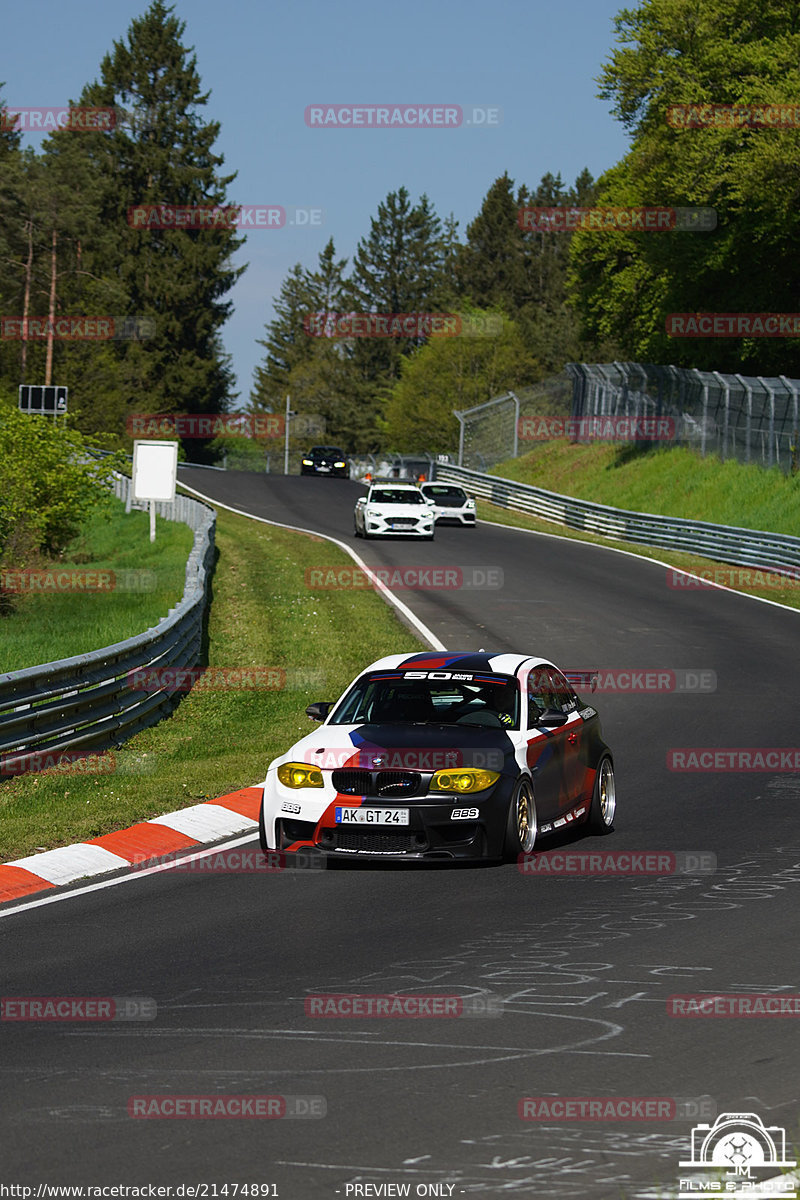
(288, 342)
(161, 153)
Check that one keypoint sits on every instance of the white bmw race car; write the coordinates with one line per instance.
(437, 756)
(394, 509)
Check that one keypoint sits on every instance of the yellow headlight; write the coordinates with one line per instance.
(460, 782)
(299, 775)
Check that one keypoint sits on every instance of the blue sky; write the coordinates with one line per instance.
(264, 63)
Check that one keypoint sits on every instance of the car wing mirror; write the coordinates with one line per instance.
(320, 710)
(552, 717)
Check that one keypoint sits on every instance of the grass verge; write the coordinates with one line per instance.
(262, 615)
(672, 481)
(51, 624)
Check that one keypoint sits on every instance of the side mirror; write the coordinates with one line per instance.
(551, 718)
(320, 710)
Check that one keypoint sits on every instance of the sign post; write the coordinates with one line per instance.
(155, 470)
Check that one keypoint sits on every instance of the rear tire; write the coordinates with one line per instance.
(521, 826)
(604, 799)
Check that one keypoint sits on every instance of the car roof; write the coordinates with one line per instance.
(405, 484)
(495, 662)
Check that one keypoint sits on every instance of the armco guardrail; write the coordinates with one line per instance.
(725, 543)
(85, 703)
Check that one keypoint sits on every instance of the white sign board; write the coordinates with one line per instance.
(155, 468)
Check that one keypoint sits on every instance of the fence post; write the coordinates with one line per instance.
(793, 447)
(771, 433)
(727, 390)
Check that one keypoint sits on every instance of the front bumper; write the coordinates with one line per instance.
(338, 472)
(456, 516)
(384, 528)
(433, 832)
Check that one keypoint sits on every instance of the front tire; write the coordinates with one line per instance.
(521, 826)
(604, 799)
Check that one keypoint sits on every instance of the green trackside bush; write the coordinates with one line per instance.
(48, 486)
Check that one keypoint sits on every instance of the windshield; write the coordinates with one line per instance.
(396, 496)
(441, 492)
(464, 698)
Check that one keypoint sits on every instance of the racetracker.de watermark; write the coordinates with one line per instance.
(402, 116)
(381, 325)
(75, 119)
(734, 577)
(207, 679)
(733, 325)
(77, 329)
(52, 581)
(205, 425)
(235, 861)
(245, 860)
(408, 1005)
(58, 762)
(734, 758)
(615, 1108)
(404, 758)
(222, 216)
(611, 219)
(226, 1107)
(432, 579)
(78, 1008)
(735, 1004)
(785, 115)
(600, 428)
(640, 679)
(619, 862)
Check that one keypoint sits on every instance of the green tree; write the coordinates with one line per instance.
(673, 52)
(48, 485)
(454, 373)
(288, 343)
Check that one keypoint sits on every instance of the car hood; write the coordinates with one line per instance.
(399, 746)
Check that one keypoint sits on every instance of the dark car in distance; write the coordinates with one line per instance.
(325, 460)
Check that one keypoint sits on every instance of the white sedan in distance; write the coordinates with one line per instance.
(394, 510)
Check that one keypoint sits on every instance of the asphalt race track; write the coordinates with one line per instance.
(581, 966)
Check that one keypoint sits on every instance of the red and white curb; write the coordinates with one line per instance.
(181, 830)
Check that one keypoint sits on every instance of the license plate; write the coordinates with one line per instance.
(401, 524)
(372, 816)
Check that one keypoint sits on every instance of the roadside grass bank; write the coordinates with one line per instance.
(672, 482)
(57, 614)
(669, 480)
(262, 615)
